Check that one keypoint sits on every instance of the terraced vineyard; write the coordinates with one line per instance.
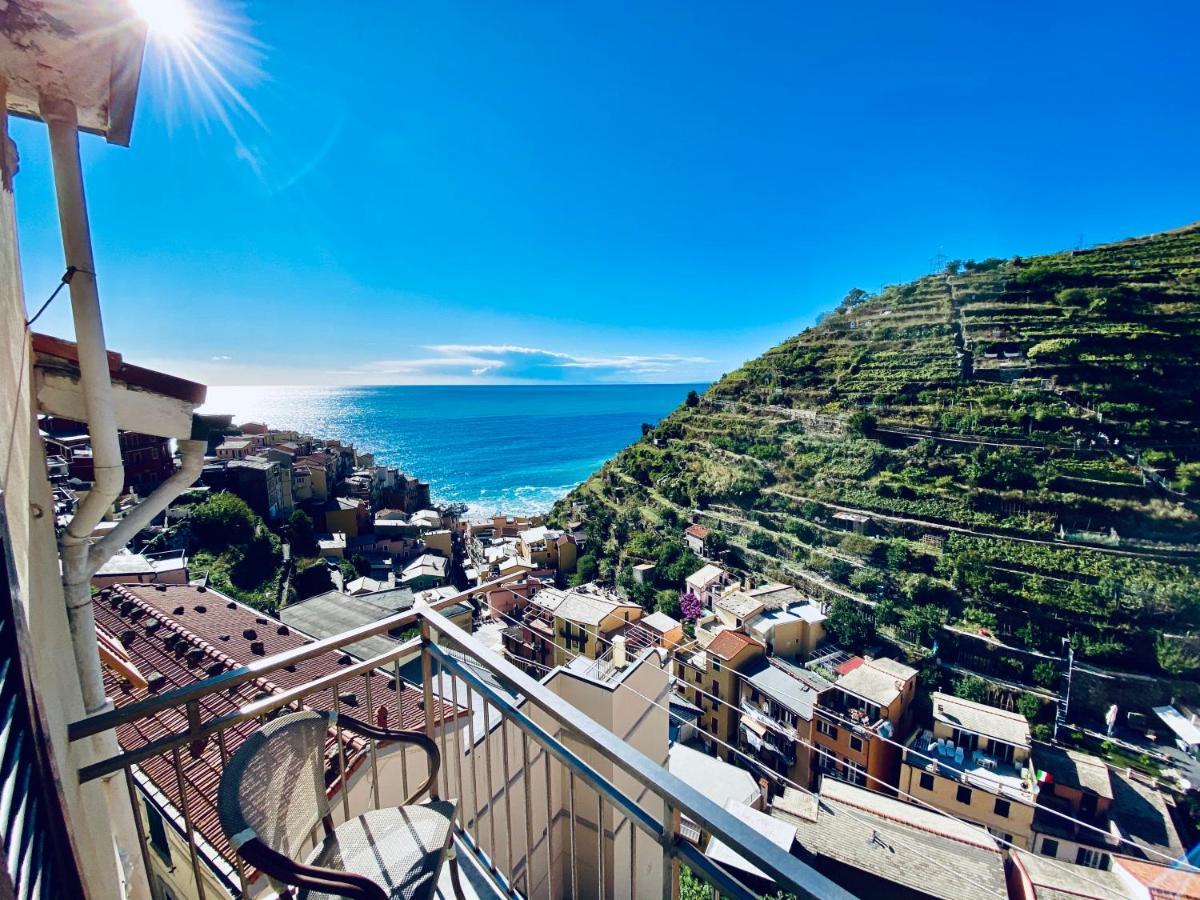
(1020, 435)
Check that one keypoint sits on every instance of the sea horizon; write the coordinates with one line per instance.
(512, 448)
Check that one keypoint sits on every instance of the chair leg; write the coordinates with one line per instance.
(454, 879)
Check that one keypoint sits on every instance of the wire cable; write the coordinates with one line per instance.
(66, 279)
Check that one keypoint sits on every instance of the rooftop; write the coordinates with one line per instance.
(896, 841)
(780, 596)
(785, 690)
(1073, 769)
(1057, 880)
(660, 622)
(877, 680)
(333, 612)
(580, 607)
(738, 604)
(779, 833)
(698, 531)
(979, 718)
(1163, 882)
(705, 575)
(729, 644)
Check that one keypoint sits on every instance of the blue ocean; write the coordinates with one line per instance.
(514, 449)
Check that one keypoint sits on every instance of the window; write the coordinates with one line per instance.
(1001, 808)
(716, 664)
(855, 774)
(926, 781)
(1091, 858)
(716, 691)
(856, 744)
(964, 795)
(158, 833)
(1049, 848)
(826, 729)
(753, 695)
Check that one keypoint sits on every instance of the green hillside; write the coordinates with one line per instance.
(1022, 434)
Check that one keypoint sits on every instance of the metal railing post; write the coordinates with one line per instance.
(427, 690)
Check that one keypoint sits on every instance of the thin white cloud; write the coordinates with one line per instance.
(221, 358)
(517, 362)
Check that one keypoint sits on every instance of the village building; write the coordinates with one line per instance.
(710, 678)
(696, 538)
(975, 762)
(708, 583)
(858, 719)
(877, 846)
(426, 571)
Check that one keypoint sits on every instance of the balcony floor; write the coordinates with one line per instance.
(477, 883)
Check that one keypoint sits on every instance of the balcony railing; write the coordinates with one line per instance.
(551, 803)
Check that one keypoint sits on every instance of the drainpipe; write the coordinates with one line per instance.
(109, 476)
(191, 462)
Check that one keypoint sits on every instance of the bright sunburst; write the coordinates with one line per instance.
(169, 20)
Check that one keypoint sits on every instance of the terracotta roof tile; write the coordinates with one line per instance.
(179, 634)
(729, 644)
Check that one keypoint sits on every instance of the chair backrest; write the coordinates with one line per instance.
(274, 786)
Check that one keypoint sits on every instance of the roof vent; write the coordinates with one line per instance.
(151, 625)
(231, 605)
(114, 600)
(178, 611)
(291, 668)
(194, 655)
(215, 669)
(258, 648)
(250, 634)
(126, 606)
(200, 609)
(224, 637)
(156, 681)
(136, 613)
(106, 594)
(127, 637)
(170, 639)
(201, 589)
(344, 659)
(161, 588)
(349, 698)
(262, 621)
(283, 629)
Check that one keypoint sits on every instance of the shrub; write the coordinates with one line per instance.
(223, 521)
(972, 687)
(1029, 706)
(850, 624)
(1045, 674)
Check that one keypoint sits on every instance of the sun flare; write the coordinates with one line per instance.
(171, 20)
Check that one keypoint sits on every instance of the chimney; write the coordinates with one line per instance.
(618, 652)
(764, 790)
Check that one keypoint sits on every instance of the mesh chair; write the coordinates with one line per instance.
(272, 798)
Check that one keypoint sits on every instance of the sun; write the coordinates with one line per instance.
(171, 20)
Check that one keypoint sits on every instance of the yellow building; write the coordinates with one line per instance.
(974, 763)
(711, 682)
(547, 548)
(584, 622)
(439, 541)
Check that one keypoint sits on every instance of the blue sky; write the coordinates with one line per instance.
(489, 192)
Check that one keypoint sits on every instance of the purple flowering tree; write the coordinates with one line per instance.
(690, 606)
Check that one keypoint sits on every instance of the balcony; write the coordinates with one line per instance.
(534, 775)
(976, 770)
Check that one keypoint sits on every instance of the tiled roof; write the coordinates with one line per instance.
(899, 842)
(1163, 882)
(1058, 880)
(877, 680)
(1073, 769)
(179, 634)
(698, 531)
(979, 718)
(738, 604)
(705, 575)
(729, 644)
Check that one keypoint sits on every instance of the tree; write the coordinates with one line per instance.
(223, 521)
(586, 570)
(646, 428)
(1029, 706)
(349, 573)
(667, 601)
(972, 687)
(860, 424)
(693, 399)
(300, 533)
(362, 565)
(850, 625)
(922, 623)
(1045, 674)
(690, 606)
